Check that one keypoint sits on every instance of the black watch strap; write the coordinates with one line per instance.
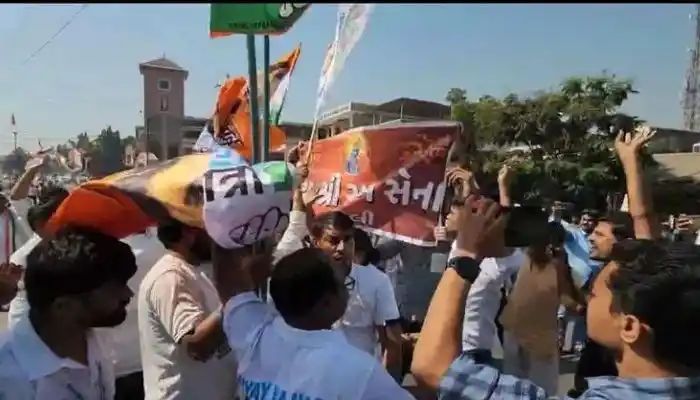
(466, 267)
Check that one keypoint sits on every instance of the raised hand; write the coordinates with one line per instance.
(505, 175)
(298, 153)
(440, 233)
(628, 145)
(475, 220)
(464, 177)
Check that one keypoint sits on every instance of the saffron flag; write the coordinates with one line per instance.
(238, 204)
(261, 18)
(231, 120)
(389, 178)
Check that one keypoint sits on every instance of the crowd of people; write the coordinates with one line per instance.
(325, 312)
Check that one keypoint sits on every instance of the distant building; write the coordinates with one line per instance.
(354, 114)
(673, 141)
(165, 124)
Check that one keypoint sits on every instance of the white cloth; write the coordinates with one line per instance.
(121, 342)
(19, 307)
(291, 240)
(484, 300)
(370, 304)
(279, 361)
(29, 370)
(173, 298)
(697, 239)
(13, 223)
(519, 363)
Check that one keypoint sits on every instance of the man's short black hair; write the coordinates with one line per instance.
(300, 280)
(622, 224)
(75, 261)
(170, 232)
(364, 244)
(334, 219)
(591, 212)
(659, 283)
(48, 202)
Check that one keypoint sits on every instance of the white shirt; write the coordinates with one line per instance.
(291, 240)
(173, 298)
(19, 306)
(484, 300)
(124, 338)
(370, 304)
(277, 360)
(121, 343)
(19, 230)
(29, 370)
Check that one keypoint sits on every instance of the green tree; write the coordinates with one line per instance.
(15, 161)
(567, 134)
(110, 150)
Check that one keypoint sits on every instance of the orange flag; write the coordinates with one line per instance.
(232, 113)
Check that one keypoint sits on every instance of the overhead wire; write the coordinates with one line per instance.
(55, 35)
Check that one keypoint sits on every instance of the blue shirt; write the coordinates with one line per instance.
(471, 378)
(578, 253)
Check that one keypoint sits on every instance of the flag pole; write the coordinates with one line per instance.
(253, 93)
(266, 99)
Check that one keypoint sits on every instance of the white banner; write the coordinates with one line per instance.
(352, 20)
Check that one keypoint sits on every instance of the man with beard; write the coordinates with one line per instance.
(595, 360)
(75, 282)
(183, 348)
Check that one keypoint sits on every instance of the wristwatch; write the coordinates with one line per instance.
(466, 267)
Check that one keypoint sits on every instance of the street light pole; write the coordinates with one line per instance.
(148, 139)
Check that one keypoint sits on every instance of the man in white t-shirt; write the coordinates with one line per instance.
(121, 343)
(14, 231)
(484, 299)
(37, 217)
(372, 301)
(294, 353)
(75, 282)
(15, 221)
(123, 340)
(372, 315)
(183, 348)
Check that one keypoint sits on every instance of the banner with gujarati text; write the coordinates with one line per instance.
(388, 178)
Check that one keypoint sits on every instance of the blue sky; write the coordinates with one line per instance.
(88, 77)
